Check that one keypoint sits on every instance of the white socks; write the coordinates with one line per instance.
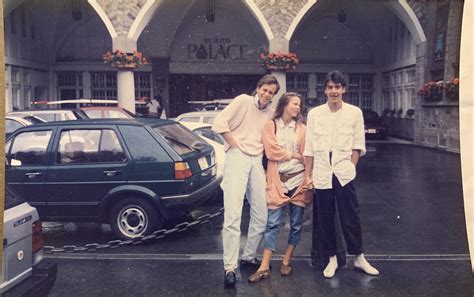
(330, 269)
(361, 263)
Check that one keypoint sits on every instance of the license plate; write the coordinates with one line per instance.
(372, 131)
(203, 163)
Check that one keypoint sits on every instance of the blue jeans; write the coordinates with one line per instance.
(273, 226)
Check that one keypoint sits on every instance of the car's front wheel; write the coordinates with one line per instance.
(133, 217)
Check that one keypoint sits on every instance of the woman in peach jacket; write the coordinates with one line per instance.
(283, 140)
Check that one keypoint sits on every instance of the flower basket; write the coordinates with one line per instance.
(432, 91)
(279, 61)
(451, 89)
(120, 59)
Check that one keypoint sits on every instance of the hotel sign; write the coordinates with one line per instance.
(222, 49)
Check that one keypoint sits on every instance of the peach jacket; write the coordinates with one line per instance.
(275, 196)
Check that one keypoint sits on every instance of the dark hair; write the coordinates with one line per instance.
(336, 77)
(267, 80)
(283, 102)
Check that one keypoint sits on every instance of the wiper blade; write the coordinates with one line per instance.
(181, 143)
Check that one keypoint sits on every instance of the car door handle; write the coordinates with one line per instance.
(33, 174)
(112, 172)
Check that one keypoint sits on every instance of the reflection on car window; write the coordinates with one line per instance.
(82, 146)
(179, 138)
(208, 133)
(30, 147)
(141, 144)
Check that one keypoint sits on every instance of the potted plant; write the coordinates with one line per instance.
(121, 59)
(452, 89)
(279, 61)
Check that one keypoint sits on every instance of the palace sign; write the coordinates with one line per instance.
(213, 49)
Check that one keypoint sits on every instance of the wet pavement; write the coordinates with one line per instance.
(413, 227)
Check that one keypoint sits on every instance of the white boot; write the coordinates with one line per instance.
(361, 263)
(331, 268)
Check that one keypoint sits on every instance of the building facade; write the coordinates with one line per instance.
(210, 49)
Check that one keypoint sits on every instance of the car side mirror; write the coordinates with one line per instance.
(15, 163)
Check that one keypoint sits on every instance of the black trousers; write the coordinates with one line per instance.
(348, 209)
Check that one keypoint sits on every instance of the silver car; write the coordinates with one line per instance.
(25, 272)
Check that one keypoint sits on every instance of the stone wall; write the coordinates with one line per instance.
(280, 13)
(122, 13)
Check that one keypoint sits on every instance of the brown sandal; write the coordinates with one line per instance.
(258, 276)
(285, 269)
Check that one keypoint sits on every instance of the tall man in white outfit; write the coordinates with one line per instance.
(335, 139)
(241, 124)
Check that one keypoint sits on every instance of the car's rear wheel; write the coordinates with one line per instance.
(134, 217)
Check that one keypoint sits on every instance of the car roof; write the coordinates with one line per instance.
(31, 111)
(195, 125)
(82, 122)
(199, 113)
(101, 107)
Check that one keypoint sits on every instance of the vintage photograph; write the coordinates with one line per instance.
(235, 148)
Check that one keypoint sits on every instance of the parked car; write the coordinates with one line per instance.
(206, 117)
(12, 123)
(375, 127)
(213, 138)
(132, 174)
(208, 105)
(25, 271)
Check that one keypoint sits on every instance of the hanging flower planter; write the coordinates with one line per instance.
(279, 61)
(120, 59)
(432, 91)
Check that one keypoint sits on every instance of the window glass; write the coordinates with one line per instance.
(115, 114)
(30, 147)
(78, 146)
(141, 144)
(93, 114)
(180, 139)
(190, 119)
(11, 198)
(11, 125)
(50, 117)
(208, 133)
(209, 120)
(110, 149)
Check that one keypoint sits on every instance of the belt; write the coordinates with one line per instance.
(286, 177)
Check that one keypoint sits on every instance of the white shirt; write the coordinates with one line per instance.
(153, 106)
(347, 124)
(286, 136)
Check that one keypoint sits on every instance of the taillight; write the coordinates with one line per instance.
(182, 170)
(37, 236)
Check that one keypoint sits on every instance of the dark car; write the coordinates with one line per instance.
(375, 127)
(25, 271)
(132, 174)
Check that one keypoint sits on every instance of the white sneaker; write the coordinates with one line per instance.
(331, 268)
(360, 263)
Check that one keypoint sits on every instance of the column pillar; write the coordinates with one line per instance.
(8, 88)
(126, 89)
(282, 45)
(86, 85)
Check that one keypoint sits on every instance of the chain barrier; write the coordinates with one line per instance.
(113, 244)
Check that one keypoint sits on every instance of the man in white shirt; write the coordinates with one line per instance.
(241, 124)
(335, 139)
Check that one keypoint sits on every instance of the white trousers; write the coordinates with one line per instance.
(243, 174)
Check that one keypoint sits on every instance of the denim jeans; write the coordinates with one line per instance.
(273, 226)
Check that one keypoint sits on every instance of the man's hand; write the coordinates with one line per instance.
(298, 157)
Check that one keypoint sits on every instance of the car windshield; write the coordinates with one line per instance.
(182, 140)
(11, 198)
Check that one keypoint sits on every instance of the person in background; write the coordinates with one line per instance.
(154, 106)
(241, 124)
(335, 140)
(283, 140)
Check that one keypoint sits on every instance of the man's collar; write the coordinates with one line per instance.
(257, 104)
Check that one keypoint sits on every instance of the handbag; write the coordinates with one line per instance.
(264, 157)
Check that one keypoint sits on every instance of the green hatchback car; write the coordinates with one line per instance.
(133, 174)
